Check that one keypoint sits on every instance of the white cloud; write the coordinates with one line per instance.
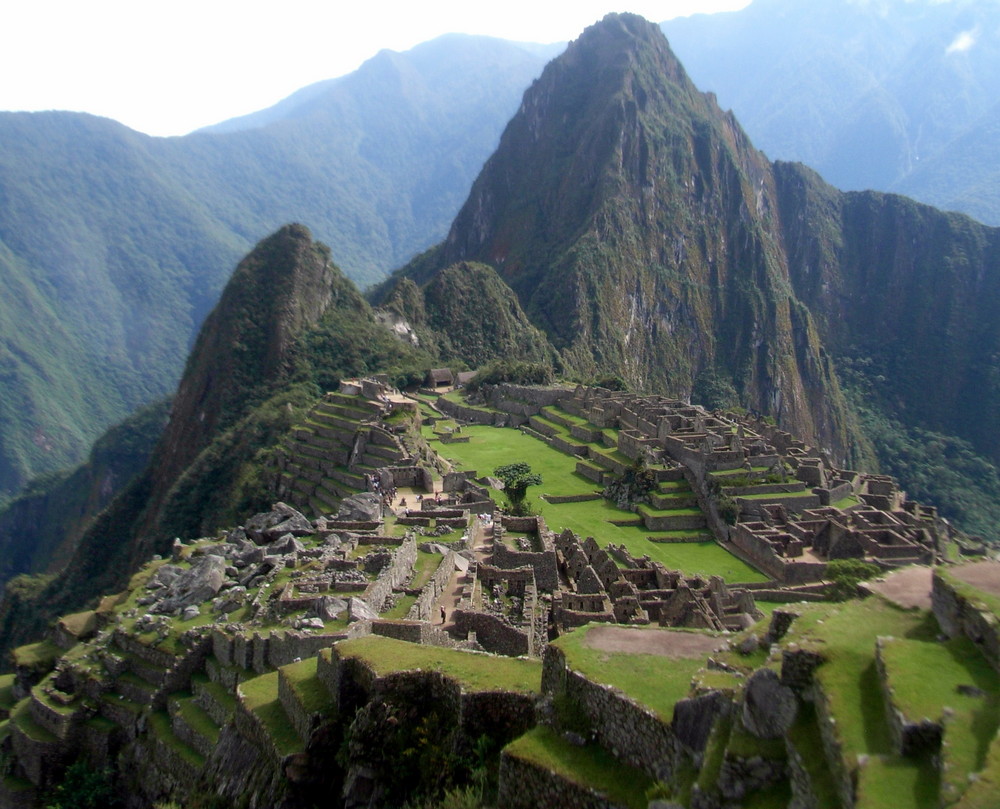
(963, 41)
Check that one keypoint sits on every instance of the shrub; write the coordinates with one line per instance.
(846, 574)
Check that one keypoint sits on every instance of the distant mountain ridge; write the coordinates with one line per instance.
(115, 245)
(896, 95)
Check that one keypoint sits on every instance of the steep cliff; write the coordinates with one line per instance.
(640, 231)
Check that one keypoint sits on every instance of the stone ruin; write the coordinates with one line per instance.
(642, 591)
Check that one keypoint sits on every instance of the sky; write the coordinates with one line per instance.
(167, 68)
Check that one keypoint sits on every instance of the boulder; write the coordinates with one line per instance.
(769, 707)
(286, 544)
(190, 612)
(358, 610)
(280, 520)
(194, 586)
(693, 719)
(329, 608)
(232, 600)
(362, 507)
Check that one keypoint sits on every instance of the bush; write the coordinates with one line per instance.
(83, 787)
(513, 372)
(847, 574)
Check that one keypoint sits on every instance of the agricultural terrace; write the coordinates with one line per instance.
(490, 447)
(657, 677)
(474, 672)
(846, 635)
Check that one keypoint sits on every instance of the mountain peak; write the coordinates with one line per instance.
(636, 224)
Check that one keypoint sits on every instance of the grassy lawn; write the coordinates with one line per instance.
(475, 672)
(401, 608)
(589, 766)
(893, 782)
(490, 447)
(426, 564)
(38, 656)
(260, 695)
(805, 736)
(196, 718)
(6, 692)
(653, 680)
(311, 694)
(972, 722)
(159, 723)
(845, 634)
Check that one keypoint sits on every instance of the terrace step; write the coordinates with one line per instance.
(192, 724)
(259, 703)
(135, 689)
(389, 453)
(334, 417)
(214, 698)
(172, 752)
(305, 698)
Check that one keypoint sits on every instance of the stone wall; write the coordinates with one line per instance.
(635, 733)
(762, 555)
(959, 615)
(261, 653)
(492, 633)
(542, 563)
(524, 785)
(520, 395)
(399, 571)
(423, 607)
(413, 477)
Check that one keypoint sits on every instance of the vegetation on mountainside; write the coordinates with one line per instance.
(229, 478)
(933, 467)
(114, 245)
(513, 372)
(39, 529)
(609, 209)
(83, 787)
(466, 313)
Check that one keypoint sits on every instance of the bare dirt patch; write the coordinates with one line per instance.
(909, 587)
(984, 576)
(663, 642)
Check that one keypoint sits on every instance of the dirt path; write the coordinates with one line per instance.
(662, 642)
(909, 587)
(983, 575)
(451, 595)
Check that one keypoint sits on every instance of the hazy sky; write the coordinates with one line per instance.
(166, 68)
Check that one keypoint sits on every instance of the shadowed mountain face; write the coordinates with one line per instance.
(114, 245)
(639, 229)
(647, 237)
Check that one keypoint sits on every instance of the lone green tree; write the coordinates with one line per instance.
(517, 477)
